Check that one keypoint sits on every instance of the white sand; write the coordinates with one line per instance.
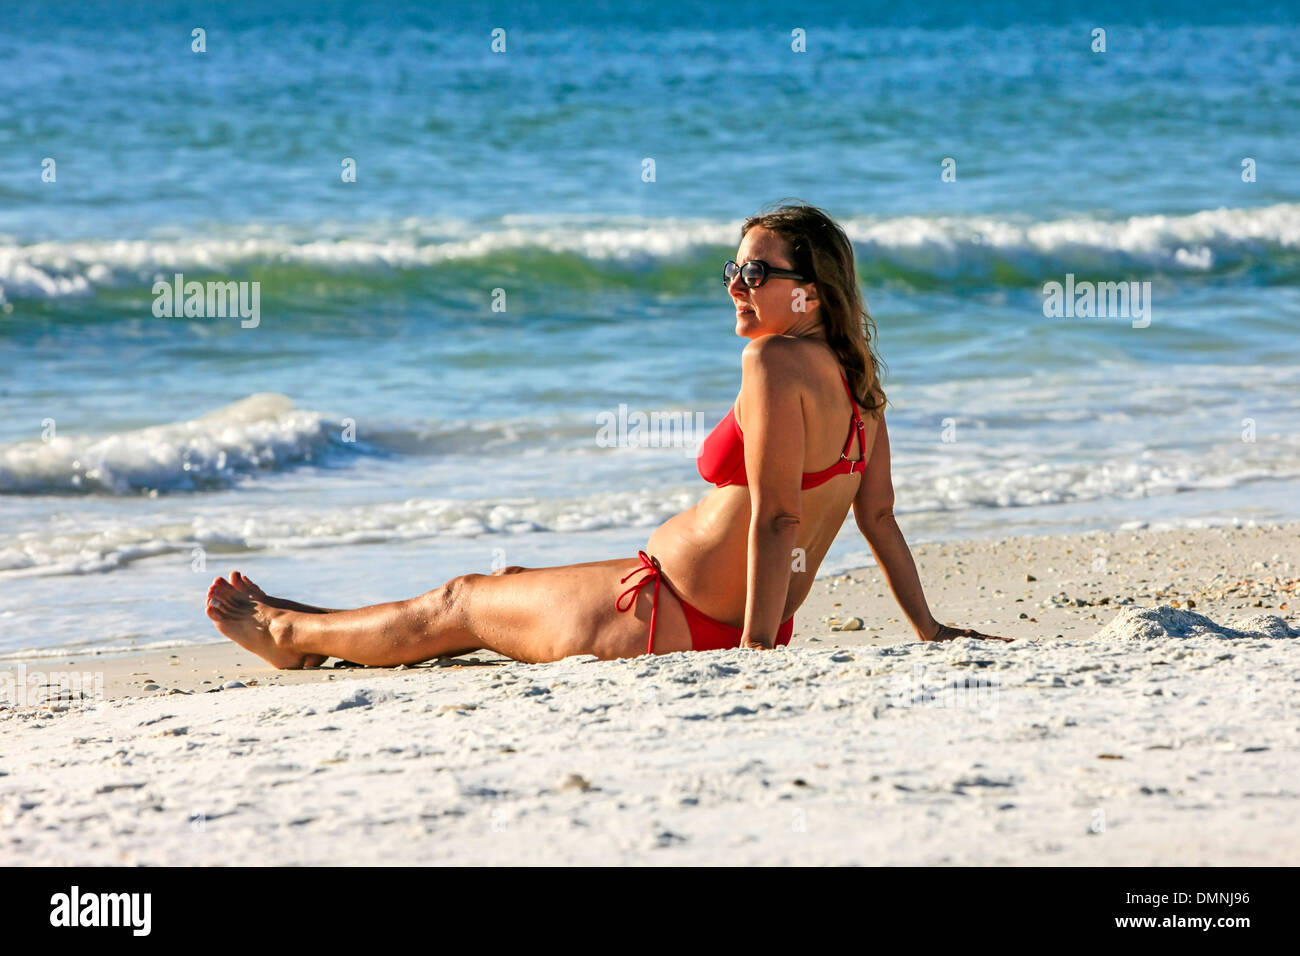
(1160, 740)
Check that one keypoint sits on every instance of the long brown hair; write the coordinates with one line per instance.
(822, 252)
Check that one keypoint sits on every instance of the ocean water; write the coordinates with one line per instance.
(383, 428)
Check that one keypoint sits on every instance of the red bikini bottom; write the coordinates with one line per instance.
(706, 633)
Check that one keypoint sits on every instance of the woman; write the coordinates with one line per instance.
(737, 565)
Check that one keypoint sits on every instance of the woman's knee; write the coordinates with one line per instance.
(450, 602)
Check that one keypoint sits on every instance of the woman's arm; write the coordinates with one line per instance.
(772, 406)
(873, 508)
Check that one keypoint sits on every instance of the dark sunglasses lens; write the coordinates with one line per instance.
(729, 271)
(752, 272)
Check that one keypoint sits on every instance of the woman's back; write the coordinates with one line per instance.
(704, 550)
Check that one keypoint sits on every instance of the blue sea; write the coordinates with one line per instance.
(393, 420)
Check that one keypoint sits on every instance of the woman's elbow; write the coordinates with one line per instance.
(872, 521)
(779, 521)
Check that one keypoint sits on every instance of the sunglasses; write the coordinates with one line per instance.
(755, 272)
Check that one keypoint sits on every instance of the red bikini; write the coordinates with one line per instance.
(722, 462)
(722, 456)
(706, 633)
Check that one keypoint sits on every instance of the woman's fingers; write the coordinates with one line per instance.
(947, 633)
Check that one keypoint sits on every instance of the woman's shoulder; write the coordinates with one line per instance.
(771, 348)
(808, 364)
(792, 356)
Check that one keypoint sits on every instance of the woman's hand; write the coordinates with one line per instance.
(946, 633)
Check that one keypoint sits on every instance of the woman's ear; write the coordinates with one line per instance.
(810, 299)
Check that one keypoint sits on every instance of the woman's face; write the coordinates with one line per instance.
(773, 308)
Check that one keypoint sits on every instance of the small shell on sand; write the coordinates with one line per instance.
(575, 781)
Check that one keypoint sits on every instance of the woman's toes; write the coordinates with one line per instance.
(226, 591)
(247, 588)
(232, 602)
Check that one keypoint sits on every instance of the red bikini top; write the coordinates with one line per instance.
(722, 456)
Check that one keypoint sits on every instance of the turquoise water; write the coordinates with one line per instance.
(382, 428)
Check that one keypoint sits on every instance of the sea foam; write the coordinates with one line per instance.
(978, 248)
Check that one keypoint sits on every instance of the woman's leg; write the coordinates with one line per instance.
(245, 584)
(543, 615)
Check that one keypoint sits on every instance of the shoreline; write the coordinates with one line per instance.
(979, 583)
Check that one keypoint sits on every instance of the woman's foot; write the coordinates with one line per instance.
(245, 586)
(250, 590)
(256, 626)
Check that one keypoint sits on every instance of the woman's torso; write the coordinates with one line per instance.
(703, 550)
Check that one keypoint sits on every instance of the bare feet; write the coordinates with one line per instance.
(509, 569)
(255, 626)
(250, 590)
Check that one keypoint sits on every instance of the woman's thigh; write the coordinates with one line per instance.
(544, 614)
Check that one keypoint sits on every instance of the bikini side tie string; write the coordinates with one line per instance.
(651, 565)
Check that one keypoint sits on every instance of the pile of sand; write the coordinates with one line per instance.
(1145, 624)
